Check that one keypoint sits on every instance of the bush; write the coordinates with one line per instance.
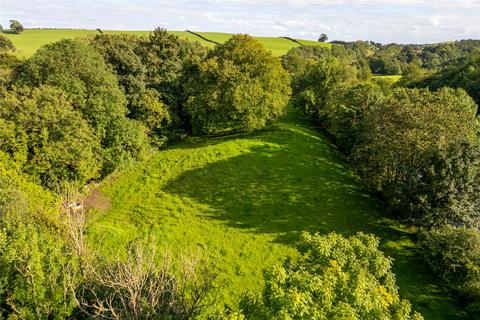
(332, 278)
(8, 66)
(240, 86)
(453, 254)
(6, 44)
(49, 138)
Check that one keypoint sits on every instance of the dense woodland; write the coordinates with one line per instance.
(79, 110)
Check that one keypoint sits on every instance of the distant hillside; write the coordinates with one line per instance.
(32, 39)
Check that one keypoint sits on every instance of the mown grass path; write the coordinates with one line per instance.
(245, 200)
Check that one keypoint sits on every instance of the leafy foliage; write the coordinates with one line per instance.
(465, 74)
(345, 110)
(16, 26)
(151, 72)
(165, 56)
(35, 263)
(8, 66)
(312, 88)
(240, 86)
(297, 60)
(332, 278)
(453, 254)
(6, 44)
(49, 138)
(93, 90)
(403, 132)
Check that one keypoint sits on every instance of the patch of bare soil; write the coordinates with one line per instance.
(96, 200)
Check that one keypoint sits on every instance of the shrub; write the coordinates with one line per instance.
(35, 261)
(6, 44)
(345, 110)
(240, 86)
(146, 286)
(332, 278)
(453, 254)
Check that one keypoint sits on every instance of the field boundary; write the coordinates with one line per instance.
(202, 37)
(293, 40)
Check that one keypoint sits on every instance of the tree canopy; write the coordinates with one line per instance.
(333, 277)
(93, 90)
(240, 86)
(50, 139)
(16, 26)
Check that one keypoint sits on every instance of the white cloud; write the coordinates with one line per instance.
(413, 21)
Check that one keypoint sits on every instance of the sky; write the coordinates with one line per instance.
(386, 21)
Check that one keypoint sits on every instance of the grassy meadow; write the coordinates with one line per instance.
(243, 200)
(31, 39)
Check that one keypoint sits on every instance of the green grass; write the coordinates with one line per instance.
(245, 199)
(392, 78)
(314, 43)
(32, 39)
(278, 46)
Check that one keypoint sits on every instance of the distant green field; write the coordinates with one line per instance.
(32, 39)
(278, 46)
(244, 200)
(393, 78)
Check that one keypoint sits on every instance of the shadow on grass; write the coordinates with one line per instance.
(297, 182)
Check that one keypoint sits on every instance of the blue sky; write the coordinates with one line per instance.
(405, 21)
